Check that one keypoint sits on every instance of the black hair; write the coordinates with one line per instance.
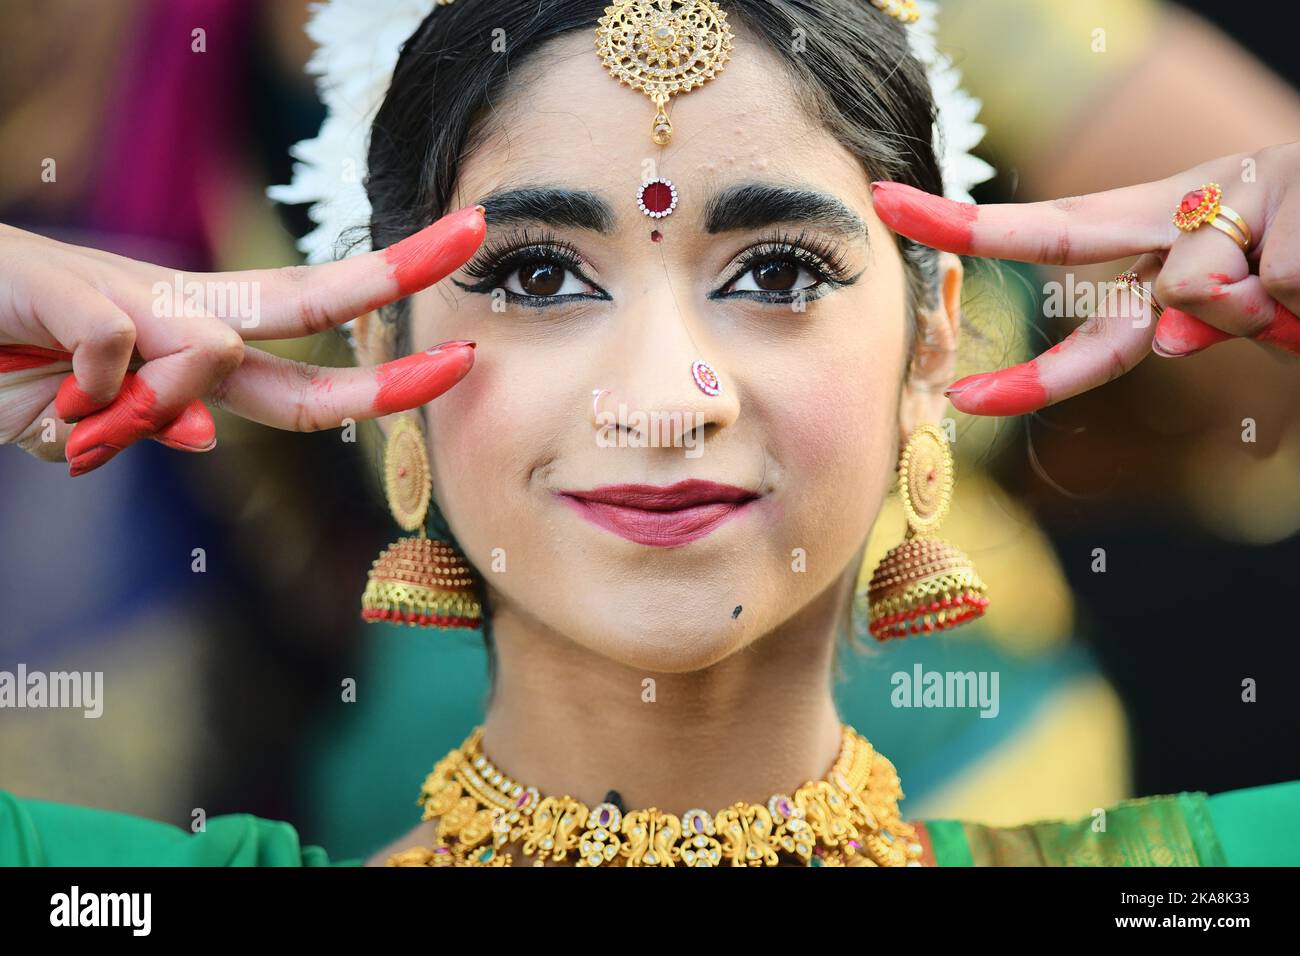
(850, 65)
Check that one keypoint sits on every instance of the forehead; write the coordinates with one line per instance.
(565, 120)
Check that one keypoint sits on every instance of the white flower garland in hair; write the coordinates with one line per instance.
(955, 131)
(357, 44)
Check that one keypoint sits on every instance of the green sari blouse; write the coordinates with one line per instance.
(1255, 827)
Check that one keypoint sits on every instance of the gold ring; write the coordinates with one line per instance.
(1232, 216)
(1130, 280)
(1205, 205)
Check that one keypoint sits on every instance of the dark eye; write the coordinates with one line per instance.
(780, 274)
(542, 278)
(536, 272)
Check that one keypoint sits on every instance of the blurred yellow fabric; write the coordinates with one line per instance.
(1073, 51)
(1072, 754)
(1069, 759)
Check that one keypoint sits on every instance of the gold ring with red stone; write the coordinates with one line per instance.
(1129, 280)
(1205, 206)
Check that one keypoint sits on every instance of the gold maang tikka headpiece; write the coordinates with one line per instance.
(357, 55)
(664, 47)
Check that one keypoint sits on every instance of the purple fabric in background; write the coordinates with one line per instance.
(171, 139)
(172, 134)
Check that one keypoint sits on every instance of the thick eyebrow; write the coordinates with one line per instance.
(755, 205)
(549, 205)
(744, 206)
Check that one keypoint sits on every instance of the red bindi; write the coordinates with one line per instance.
(657, 198)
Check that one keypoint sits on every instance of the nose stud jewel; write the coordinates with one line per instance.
(706, 378)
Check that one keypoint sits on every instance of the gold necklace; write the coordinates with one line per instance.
(848, 818)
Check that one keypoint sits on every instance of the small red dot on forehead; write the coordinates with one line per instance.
(656, 236)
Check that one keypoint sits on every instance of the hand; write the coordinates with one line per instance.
(144, 350)
(1210, 289)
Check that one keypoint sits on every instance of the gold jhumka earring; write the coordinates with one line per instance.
(417, 581)
(924, 584)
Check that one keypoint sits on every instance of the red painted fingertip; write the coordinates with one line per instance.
(1283, 331)
(72, 404)
(1012, 391)
(437, 250)
(418, 379)
(1179, 334)
(91, 459)
(192, 430)
(925, 217)
(964, 383)
(132, 415)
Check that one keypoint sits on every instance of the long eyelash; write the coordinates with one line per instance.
(816, 252)
(495, 259)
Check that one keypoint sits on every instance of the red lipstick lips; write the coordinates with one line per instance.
(664, 517)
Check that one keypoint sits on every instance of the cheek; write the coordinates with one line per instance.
(834, 421)
(468, 424)
(472, 420)
(839, 413)
(833, 428)
(486, 436)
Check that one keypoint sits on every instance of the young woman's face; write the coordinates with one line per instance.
(797, 302)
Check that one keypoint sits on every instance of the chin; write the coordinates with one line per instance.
(670, 650)
(674, 636)
(667, 637)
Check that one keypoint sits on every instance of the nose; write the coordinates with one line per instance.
(655, 379)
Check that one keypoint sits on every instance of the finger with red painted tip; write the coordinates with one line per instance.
(1107, 345)
(73, 404)
(1242, 309)
(304, 300)
(193, 430)
(1010, 391)
(1283, 330)
(134, 414)
(185, 358)
(1095, 228)
(283, 394)
(90, 459)
(1179, 334)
